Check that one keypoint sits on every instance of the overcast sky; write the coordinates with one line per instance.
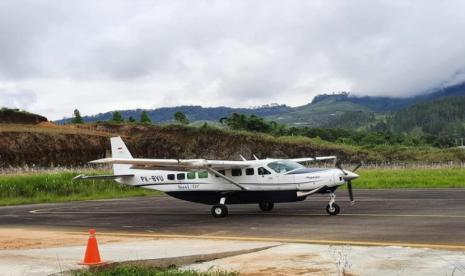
(105, 55)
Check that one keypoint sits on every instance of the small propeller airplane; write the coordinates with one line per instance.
(221, 182)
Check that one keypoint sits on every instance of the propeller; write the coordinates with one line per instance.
(348, 176)
(357, 167)
(351, 194)
(338, 165)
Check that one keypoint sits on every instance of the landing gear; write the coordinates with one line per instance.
(332, 208)
(220, 210)
(266, 206)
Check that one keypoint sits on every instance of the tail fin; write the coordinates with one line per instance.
(119, 150)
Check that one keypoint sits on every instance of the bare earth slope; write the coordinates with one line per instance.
(47, 144)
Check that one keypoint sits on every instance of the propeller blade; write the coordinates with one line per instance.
(351, 194)
(357, 167)
(338, 165)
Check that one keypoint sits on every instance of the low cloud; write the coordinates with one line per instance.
(17, 98)
(239, 53)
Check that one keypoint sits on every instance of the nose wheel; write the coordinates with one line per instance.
(332, 208)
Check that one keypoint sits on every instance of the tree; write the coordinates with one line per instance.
(144, 117)
(131, 119)
(181, 118)
(117, 117)
(77, 119)
(250, 123)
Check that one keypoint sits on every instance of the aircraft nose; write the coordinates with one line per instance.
(350, 176)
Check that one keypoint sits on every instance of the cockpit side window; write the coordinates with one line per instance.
(263, 171)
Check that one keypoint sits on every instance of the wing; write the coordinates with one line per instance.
(175, 164)
(186, 164)
(311, 159)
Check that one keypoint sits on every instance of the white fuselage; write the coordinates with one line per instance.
(175, 181)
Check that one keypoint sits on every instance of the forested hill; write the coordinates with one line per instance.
(443, 117)
(392, 104)
(193, 112)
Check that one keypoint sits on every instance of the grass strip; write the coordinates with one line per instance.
(411, 178)
(59, 187)
(123, 270)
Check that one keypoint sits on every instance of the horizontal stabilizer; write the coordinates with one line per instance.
(108, 176)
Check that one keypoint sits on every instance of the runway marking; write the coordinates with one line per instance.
(44, 211)
(287, 240)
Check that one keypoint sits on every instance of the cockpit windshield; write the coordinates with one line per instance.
(284, 166)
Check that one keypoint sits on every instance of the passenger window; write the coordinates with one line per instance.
(170, 176)
(249, 171)
(181, 176)
(203, 174)
(236, 172)
(191, 175)
(222, 172)
(263, 171)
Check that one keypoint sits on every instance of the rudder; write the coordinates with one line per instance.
(119, 150)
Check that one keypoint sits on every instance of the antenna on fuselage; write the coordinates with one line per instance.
(242, 157)
(254, 156)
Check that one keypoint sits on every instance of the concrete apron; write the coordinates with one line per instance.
(247, 257)
(158, 253)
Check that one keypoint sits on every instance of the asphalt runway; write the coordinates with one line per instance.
(380, 217)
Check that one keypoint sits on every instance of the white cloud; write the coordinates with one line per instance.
(16, 97)
(107, 55)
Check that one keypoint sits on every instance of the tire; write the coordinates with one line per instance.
(219, 211)
(266, 206)
(334, 211)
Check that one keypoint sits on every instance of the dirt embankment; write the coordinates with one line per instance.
(47, 149)
(15, 116)
(66, 146)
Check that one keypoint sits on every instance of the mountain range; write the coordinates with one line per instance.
(336, 110)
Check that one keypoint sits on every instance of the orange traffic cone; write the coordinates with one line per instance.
(92, 256)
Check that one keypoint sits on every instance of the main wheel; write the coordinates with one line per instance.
(333, 211)
(266, 206)
(219, 211)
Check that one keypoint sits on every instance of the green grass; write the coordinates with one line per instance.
(57, 187)
(410, 178)
(124, 270)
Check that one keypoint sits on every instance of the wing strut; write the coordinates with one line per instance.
(215, 172)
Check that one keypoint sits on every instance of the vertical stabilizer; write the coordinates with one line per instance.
(119, 150)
